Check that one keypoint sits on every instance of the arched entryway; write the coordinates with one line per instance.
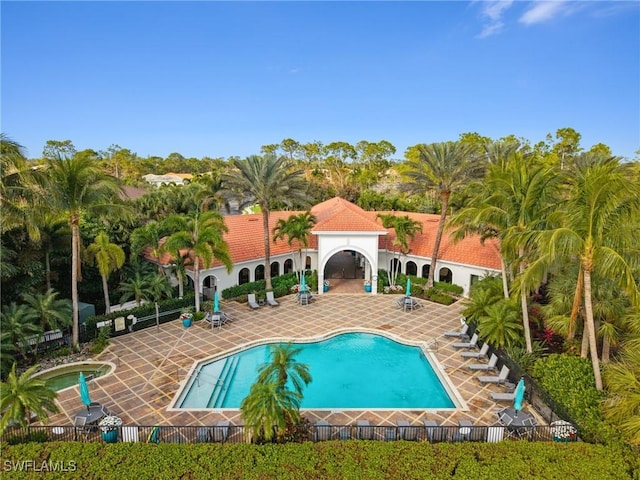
(345, 272)
(208, 287)
(446, 275)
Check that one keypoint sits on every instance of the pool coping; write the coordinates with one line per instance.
(425, 346)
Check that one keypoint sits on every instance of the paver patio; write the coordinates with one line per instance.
(151, 363)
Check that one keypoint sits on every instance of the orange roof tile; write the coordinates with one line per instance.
(246, 241)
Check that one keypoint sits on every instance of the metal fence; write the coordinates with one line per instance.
(300, 433)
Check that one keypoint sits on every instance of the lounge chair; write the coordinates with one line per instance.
(479, 354)
(491, 365)
(251, 299)
(221, 431)
(501, 378)
(502, 396)
(459, 333)
(406, 431)
(433, 431)
(495, 434)
(271, 300)
(473, 343)
(322, 431)
(365, 430)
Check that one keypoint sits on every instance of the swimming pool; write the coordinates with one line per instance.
(349, 370)
(65, 376)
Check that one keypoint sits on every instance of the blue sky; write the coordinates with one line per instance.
(224, 78)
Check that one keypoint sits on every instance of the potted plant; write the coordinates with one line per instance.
(187, 318)
(367, 286)
(563, 431)
(325, 286)
(109, 426)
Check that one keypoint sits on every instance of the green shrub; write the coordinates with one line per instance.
(437, 296)
(101, 341)
(356, 459)
(570, 382)
(281, 286)
(448, 287)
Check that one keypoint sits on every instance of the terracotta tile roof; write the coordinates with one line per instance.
(246, 241)
(338, 215)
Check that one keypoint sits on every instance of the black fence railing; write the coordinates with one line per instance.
(301, 433)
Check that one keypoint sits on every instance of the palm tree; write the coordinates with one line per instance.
(16, 323)
(284, 367)
(599, 206)
(109, 257)
(75, 185)
(49, 311)
(54, 234)
(268, 406)
(296, 228)
(405, 229)
(137, 284)
(150, 235)
(202, 235)
(265, 180)
(23, 396)
(18, 193)
(514, 200)
(501, 326)
(446, 167)
(623, 383)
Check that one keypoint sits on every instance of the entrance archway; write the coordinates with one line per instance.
(345, 272)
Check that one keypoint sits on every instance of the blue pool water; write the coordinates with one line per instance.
(352, 370)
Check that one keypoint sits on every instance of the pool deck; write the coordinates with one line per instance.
(152, 363)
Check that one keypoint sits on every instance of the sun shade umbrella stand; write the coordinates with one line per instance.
(84, 391)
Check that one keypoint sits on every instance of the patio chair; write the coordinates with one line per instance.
(221, 431)
(251, 299)
(406, 431)
(473, 343)
(464, 431)
(271, 300)
(501, 378)
(491, 365)
(322, 431)
(495, 434)
(365, 430)
(502, 396)
(482, 353)
(80, 427)
(434, 433)
(462, 333)
(203, 435)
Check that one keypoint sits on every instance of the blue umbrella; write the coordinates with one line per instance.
(518, 396)
(84, 390)
(408, 292)
(216, 302)
(303, 285)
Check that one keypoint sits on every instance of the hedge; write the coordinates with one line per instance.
(325, 460)
(281, 286)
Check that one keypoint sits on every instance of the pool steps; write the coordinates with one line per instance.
(220, 388)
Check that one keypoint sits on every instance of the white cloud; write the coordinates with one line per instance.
(493, 11)
(543, 11)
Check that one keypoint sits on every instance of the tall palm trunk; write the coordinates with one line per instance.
(576, 305)
(505, 280)
(267, 248)
(436, 247)
(47, 267)
(196, 278)
(75, 260)
(524, 294)
(105, 289)
(591, 330)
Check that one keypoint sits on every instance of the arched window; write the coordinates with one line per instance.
(446, 275)
(243, 276)
(288, 266)
(275, 269)
(412, 268)
(425, 271)
(307, 263)
(259, 273)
